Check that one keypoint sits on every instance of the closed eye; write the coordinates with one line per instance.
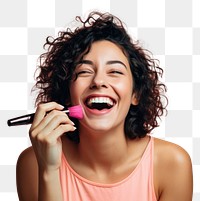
(116, 72)
(83, 73)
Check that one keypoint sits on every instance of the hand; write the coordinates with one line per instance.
(45, 134)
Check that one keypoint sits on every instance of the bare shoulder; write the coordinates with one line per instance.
(27, 154)
(27, 175)
(172, 171)
(169, 152)
(27, 160)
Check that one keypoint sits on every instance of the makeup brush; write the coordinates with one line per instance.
(74, 111)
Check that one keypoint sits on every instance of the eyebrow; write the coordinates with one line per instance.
(115, 62)
(108, 62)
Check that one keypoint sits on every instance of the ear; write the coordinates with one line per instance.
(134, 99)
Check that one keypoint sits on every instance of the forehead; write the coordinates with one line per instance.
(106, 50)
(106, 46)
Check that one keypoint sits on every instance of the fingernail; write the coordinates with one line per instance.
(72, 123)
(61, 106)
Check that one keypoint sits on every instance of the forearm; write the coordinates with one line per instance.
(49, 186)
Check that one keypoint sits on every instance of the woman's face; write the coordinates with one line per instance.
(104, 87)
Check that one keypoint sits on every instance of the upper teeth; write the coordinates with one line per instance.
(100, 100)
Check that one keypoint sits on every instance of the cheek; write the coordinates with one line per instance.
(125, 86)
(76, 90)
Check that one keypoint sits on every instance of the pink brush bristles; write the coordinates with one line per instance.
(76, 112)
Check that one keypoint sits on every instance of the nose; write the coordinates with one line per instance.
(99, 81)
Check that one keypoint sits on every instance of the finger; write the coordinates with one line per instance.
(41, 111)
(49, 118)
(58, 132)
(51, 138)
(56, 122)
(50, 123)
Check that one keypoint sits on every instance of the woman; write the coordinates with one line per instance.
(109, 154)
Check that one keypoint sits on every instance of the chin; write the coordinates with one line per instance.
(103, 126)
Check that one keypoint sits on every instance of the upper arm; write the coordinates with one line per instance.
(27, 176)
(175, 174)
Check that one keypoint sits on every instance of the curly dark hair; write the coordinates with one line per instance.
(57, 65)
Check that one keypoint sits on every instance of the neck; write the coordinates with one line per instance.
(103, 149)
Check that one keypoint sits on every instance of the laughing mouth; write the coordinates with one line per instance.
(99, 103)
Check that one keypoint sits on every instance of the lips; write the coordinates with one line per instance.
(99, 102)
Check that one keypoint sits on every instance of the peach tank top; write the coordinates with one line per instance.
(138, 186)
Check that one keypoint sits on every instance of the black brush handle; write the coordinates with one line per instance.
(22, 120)
(25, 119)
